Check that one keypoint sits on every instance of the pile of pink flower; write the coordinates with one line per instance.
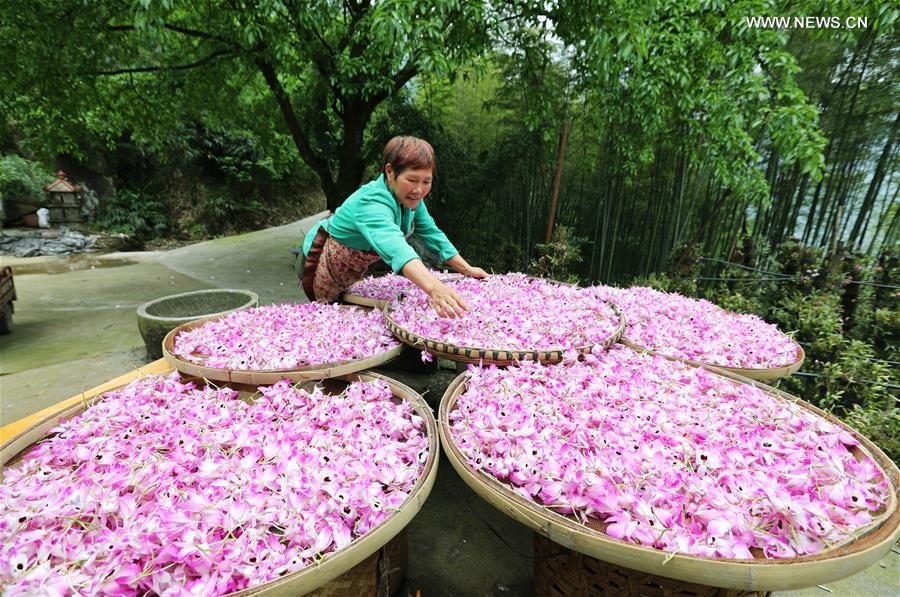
(513, 312)
(668, 456)
(390, 286)
(698, 329)
(286, 336)
(163, 488)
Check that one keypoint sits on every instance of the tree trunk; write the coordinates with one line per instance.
(778, 225)
(762, 210)
(874, 185)
(811, 214)
(833, 245)
(557, 176)
(798, 204)
(891, 230)
(313, 159)
(844, 192)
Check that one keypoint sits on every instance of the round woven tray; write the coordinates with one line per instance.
(763, 374)
(364, 301)
(379, 575)
(562, 572)
(267, 376)
(336, 563)
(870, 545)
(492, 356)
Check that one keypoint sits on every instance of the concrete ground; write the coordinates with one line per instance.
(75, 328)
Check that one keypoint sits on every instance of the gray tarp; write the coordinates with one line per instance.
(40, 242)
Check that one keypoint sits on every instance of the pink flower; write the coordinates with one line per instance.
(513, 312)
(206, 494)
(285, 337)
(697, 329)
(390, 286)
(667, 455)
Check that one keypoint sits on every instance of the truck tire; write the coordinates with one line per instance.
(6, 324)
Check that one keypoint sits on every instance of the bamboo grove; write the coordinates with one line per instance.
(633, 217)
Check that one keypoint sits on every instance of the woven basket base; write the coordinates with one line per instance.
(561, 572)
(380, 575)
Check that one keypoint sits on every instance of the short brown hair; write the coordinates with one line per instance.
(408, 152)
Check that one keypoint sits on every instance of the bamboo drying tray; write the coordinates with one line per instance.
(364, 301)
(315, 578)
(492, 356)
(379, 575)
(759, 374)
(870, 545)
(561, 572)
(267, 376)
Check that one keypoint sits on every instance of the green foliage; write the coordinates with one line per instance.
(681, 115)
(882, 426)
(230, 155)
(310, 75)
(876, 316)
(135, 214)
(555, 259)
(21, 180)
(667, 283)
(739, 302)
(854, 386)
(221, 209)
(815, 318)
(509, 258)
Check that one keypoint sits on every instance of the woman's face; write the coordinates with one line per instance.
(410, 186)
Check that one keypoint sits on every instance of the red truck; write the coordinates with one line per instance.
(7, 296)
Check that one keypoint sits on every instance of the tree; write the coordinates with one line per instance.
(640, 73)
(145, 65)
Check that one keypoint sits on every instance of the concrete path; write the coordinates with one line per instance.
(75, 328)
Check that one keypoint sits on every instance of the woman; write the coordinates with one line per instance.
(375, 223)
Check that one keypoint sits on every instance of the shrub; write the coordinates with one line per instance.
(224, 209)
(135, 214)
(21, 181)
(816, 319)
(556, 259)
(667, 283)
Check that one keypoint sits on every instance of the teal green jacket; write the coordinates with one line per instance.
(371, 219)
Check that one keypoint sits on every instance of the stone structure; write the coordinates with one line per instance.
(63, 200)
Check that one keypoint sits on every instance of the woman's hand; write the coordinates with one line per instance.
(475, 272)
(446, 302)
(462, 266)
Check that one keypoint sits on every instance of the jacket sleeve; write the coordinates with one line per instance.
(433, 237)
(375, 221)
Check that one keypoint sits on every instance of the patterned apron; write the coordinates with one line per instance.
(331, 267)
